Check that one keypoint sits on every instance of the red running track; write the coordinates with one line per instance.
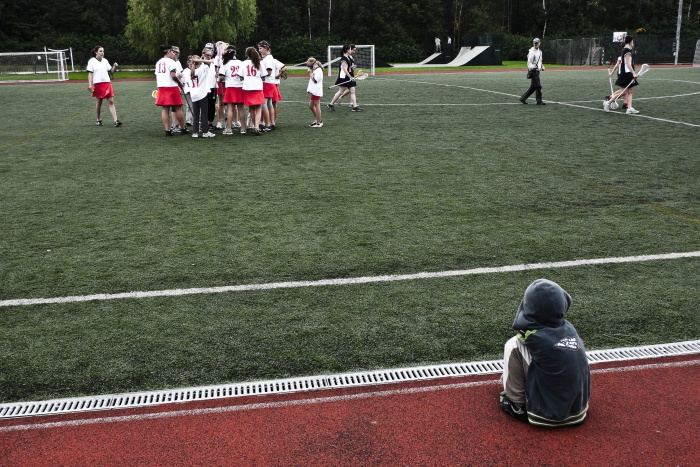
(641, 413)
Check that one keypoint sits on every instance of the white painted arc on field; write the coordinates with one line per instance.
(348, 281)
(312, 401)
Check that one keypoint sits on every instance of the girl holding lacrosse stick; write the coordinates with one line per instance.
(346, 79)
(253, 97)
(614, 105)
(626, 78)
(315, 90)
(199, 92)
(100, 83)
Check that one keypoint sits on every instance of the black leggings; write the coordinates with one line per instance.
(211, 112)
(199, 115)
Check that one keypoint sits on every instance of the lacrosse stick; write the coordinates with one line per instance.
(361, 76)
(154, 94)
(642, 70)
(613, 105)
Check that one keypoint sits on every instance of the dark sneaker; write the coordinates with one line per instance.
(524, 101)
(357, 109)
(541, 103)
(98, 123)
(514, 410)
(184, 131)
(117, 123)
(331, 107)
(169, 132)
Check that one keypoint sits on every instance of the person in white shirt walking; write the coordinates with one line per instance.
(100, 83)
(534, 66)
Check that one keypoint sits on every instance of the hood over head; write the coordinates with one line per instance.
(543, 305)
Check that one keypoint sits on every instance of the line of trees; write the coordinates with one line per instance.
(402, 30)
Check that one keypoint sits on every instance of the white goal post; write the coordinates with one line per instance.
(364, 58)
(48, 65)
(696, 58)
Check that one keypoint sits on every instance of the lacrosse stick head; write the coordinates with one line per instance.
(614, 105)
(643, 69)
(154, 94)
(360, 74)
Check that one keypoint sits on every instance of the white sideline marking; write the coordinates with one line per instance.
(348, 281)
(313, 401)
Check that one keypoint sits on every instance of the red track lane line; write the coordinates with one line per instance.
(641, 414)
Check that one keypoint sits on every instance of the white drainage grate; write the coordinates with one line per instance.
(281, 386)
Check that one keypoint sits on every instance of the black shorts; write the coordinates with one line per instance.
(345, 83)
(625, 79)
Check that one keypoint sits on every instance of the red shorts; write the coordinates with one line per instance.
(277, 97)
(102, 90)
(253, 98)
(233, 96)
(314, 98)
(169, 96)
(269, 90)
(220, 88)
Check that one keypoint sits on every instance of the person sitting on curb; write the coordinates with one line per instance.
(546, 377)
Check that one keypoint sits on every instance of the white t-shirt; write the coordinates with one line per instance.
(316, 88)
(100, 70)
(164, 67)
(230, 71)
(278, 66)
(186, 80)
(211, 76)
(268, 66)
(252, 77)
(200, 83)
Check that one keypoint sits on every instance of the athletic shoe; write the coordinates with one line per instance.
(331, 107)
(272, 127)
(243, 131)
(188, 123)
(317, 125)
(212, 128)
(219, 125)
(236, 125)
(266, 129)
(631, 110)
(511, 408)
(169, 132)
(195, 135)
(524, 101)
(227, 131)
(184, 131)
(98, 123)
(175, 129)
(117, 123)
(313, 124)
(606, 106)
(357, 109)
(208, 135)
(541, 103)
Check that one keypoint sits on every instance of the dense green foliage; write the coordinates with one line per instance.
(440, 172)
(402, 31)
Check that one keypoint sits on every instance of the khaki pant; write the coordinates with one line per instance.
(517, 360)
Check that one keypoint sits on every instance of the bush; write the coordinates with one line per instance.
(399, 53)
(515, 47)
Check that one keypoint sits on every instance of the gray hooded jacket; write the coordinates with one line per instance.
(558, 383)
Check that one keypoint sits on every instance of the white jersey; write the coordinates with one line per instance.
(100, 70)
(252, 77)
(268, 66)
(278, 67)
(315, 86)
(186, 80)
(230, 72)
(200, 83)
(164, 67)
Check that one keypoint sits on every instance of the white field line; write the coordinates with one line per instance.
(312, 401)
(349, 281)
(546, 100)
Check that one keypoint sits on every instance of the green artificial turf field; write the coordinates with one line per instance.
(441, 172)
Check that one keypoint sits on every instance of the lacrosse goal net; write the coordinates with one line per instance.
(696, 59)
(33, 66)
(364, 58)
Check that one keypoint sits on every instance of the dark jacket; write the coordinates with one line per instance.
(558, 383)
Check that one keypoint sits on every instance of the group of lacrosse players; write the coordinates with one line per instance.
(215, 81)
